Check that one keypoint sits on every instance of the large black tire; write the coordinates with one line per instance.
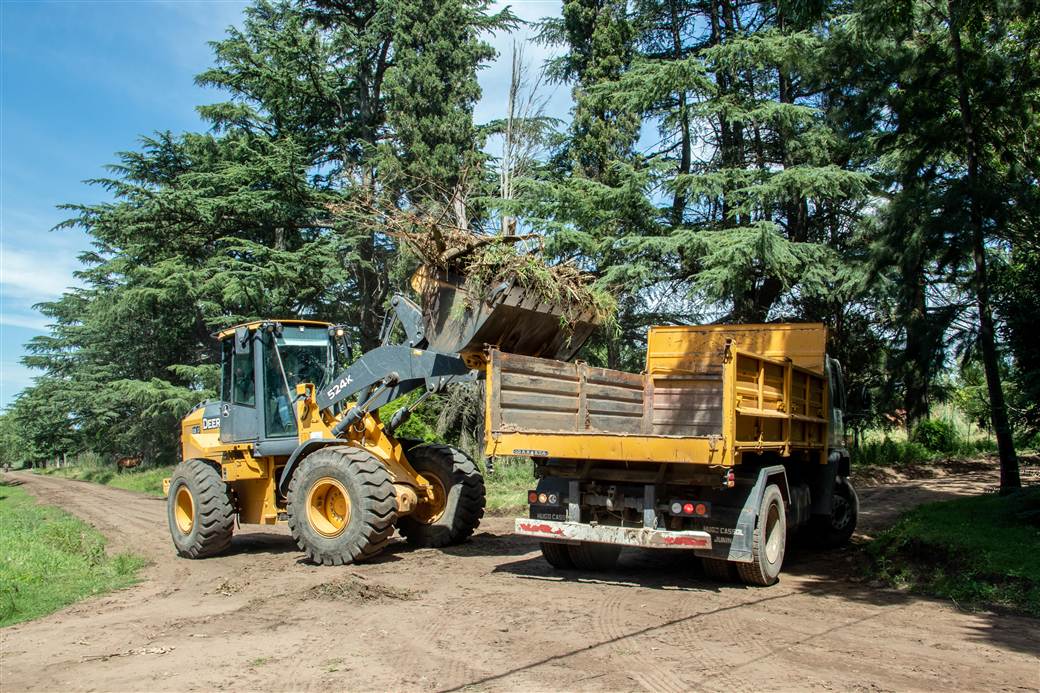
(455, 476)
(198, 510)
(594, 557)
(835, 530)
(770, 541)
(557, 555)
(717, 569)
(342, 505)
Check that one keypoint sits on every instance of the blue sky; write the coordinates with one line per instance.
(81, 80)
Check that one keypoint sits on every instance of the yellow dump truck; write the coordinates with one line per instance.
(731, 438)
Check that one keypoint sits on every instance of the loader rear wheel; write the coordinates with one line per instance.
(594, 557)
(458, 496)
(769, 543)
(199, 510)
(342, 505)
(557, 555)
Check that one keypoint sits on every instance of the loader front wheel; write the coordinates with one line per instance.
(458, 496)
(199, 510)
(342, 505)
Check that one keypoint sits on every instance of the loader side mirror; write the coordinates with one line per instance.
(242, 337)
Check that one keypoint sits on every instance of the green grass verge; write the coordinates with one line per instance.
(141, 480)
(981, 552)
(507, 488)
(49, 559)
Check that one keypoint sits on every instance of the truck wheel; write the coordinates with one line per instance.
(198, 510)
(770, 540)
(458, 491)
(557, 555)
(717, 569)
(834, 530)
(594, 557)
(342, 505)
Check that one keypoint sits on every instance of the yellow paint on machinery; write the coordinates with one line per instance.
(253, 481)
(709, 395)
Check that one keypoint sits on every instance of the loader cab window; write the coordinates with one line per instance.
(306, 357)
(243, 381)
(226, 349)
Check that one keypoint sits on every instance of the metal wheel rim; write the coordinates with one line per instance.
(841, 512)
(433, 509)
(774, 544)
(184, 510)
(328, 507)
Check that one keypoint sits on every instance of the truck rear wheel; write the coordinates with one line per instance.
(594, 557)
(342, 505)
(199, 511)
(834, 530)
(459, 495)
(717, 569)
(557, 555)
(770, 541)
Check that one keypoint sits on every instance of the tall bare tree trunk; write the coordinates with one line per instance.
(1009, 474)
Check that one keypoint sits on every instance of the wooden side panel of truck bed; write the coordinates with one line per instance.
(705, 399)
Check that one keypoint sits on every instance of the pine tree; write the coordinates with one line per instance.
(959, 82)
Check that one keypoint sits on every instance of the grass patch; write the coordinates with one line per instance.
(148, 480)
(890, 452)
(980, 552)
(507, 488)
(49, 559)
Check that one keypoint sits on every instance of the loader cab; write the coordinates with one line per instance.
(261, 365)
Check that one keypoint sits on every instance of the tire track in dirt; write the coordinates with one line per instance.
(490, 615)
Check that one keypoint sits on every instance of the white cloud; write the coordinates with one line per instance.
(494, 78)
(30, 275)
(30, 321)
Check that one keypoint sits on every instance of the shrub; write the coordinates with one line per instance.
(889, 452)
(937, 435)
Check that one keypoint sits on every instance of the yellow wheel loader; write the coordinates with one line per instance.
(296, 436)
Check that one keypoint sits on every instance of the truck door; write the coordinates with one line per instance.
(238, 412)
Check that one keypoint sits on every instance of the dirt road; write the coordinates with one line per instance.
(490, 615)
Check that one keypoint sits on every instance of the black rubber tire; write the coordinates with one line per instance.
(718, 570)
(557, 555)
(770, 537)
(594, 557)
(373, 505)
(465, 495)
(213, 517)
(835, 530)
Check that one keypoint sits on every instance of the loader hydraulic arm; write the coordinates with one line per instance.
(392, 370)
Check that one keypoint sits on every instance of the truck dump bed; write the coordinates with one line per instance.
(709, 394)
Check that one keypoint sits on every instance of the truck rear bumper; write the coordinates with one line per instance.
(552, 530)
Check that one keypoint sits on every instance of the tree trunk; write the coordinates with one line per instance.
(1009, 474)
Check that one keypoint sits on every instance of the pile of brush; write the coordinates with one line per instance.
(486, 261)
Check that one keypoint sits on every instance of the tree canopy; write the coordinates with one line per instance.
(872, 165)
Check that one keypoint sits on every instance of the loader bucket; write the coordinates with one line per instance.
(507, 316)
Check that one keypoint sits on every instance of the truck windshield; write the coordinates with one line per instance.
(307, 357)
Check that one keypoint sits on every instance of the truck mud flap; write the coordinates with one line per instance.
(732, 525)
(549, 530)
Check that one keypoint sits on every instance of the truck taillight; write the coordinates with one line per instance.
(532, 496)
(730, 479)
(543, 498)
(690, 508)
